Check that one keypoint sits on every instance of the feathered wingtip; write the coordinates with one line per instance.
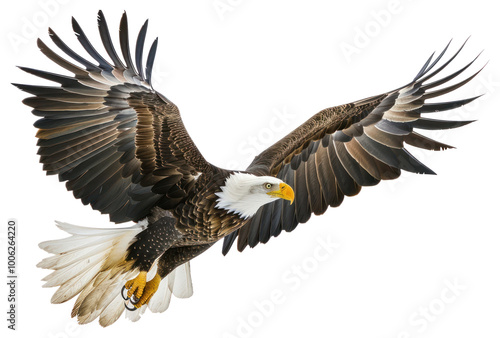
(144, 74)
(420, 78)
(130, 70)
(427, 72)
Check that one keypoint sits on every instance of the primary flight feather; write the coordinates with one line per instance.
(121, 147)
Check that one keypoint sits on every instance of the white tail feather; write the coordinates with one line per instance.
(183, 285)
(91, 263)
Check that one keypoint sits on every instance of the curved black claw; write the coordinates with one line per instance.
(124, 293)
(134, 300)
(133, 308)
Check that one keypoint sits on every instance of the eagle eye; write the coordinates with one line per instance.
(268, 185)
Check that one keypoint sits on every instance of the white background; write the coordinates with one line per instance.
(400, 244)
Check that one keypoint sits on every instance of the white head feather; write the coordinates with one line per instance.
(244, 193)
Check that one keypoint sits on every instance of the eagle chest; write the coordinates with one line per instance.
(200, 220)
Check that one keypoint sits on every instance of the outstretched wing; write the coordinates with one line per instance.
(343, 148)
(119, 145)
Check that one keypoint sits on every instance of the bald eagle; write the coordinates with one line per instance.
(121, 147)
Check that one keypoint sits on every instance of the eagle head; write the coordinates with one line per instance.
(244, 193)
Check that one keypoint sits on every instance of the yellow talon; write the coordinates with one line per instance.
(136, 286)
(149, 291)
(142, 290)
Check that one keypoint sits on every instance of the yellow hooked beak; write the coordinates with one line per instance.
(285, 191)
